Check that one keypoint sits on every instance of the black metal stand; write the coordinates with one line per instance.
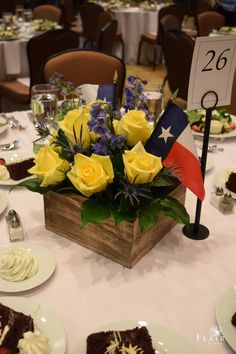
(195, 230)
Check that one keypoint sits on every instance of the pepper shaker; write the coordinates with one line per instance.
(227, 204)
(15, 228)
(216, 197)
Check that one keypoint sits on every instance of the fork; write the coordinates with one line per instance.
(14, 123)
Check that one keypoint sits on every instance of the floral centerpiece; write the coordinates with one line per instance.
(100, 154)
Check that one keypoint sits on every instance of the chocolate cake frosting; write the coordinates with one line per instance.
(112, 341)
(233, 320)
(14, 324)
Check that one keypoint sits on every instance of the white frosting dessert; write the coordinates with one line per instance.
(34, 343)
(4, 174)
(17, 264)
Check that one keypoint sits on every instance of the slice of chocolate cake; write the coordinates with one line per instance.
(113, 342)
(233, 319)
(231, 183)
(19, 170)
(13, 325)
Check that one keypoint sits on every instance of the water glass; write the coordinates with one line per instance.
(154, 103)
(7, 19)
(28, 15)
(44, 104)
(19, 11)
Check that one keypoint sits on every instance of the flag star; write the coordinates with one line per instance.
(165, 133)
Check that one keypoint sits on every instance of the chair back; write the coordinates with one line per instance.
(67, 13)
(40, 47)
(178, 65)
(87, 67)
(174, 10)
(169, 23)
(194, 8)
(209, 20)
(106, 32)
(47, 12)
(89, 13)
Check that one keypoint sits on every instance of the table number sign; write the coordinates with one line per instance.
(212, 71)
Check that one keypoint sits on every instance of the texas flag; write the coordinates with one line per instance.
(172, 140)
(91, 92)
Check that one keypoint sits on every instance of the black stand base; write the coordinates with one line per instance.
(199, 232)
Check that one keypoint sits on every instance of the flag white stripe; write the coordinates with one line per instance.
(186, 139)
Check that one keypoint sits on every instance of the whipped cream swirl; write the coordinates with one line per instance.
(4, 174)
(34, 343)
(17, 264)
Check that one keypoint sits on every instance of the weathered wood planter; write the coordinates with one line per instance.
(124, 244)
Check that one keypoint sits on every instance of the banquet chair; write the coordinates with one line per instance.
(156, 40)
(104, 18)
(38, 49)
(47, 12)
(89, 13)
(106, 37)
(68, 18)
(209, 20)
(178, 65)
(83, 66)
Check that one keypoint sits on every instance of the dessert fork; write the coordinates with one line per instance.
(9, 146)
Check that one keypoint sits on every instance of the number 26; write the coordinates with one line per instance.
(220, 62)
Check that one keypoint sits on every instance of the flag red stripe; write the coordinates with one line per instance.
(187, 165)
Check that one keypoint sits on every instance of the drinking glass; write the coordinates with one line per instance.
(28, 15)
(154, 103)
(7, 19)
(44, 104)
(19, 11)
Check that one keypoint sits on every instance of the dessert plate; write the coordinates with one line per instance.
(225, 309)
(44, 319)
(164, 339)
(3, 202)
(10, 156)
(220, 179)
(3, 124)
(46, 263)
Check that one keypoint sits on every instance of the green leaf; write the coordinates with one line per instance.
(119, 216)
(149, 215)
(94, 212)
(193, 116)
(171, 207)
(164, 181)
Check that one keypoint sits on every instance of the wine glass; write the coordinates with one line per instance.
(7, 19)
(44, 104)
(19, 11)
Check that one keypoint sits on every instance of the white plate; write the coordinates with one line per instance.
(163, 338)
(225, 309)
(4, 127)
(220, 179)
(46, 263)
(10, 156)
(44, 320)
(223, 135)
(3, 202)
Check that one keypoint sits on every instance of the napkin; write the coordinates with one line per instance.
(12, 57)
(24, 80)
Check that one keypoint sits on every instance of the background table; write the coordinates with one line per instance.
(177, 284)
(133, 22)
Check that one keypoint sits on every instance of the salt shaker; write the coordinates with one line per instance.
(227, 204)
(216, 197)
(15, 228)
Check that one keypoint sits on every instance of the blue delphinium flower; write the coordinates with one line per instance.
(118, 142)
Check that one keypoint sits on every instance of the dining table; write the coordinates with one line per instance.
(177, 285)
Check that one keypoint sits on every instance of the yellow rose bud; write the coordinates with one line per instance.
(91, 174)
(134, 127)
(49, 167)
(140, 166)
(77, 121)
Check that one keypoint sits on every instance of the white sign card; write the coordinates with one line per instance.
(213, 69)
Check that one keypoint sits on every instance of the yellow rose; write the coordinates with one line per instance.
(49, 167)
(140, 166)
(91, 174)
(76, 120)
(134, 127)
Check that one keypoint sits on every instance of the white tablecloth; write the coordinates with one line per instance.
(133, 22)
(177, 284)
